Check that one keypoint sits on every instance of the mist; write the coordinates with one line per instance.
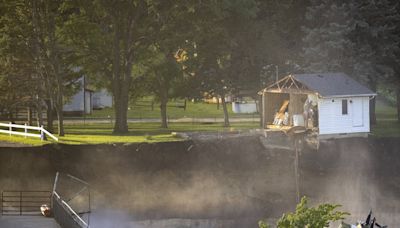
(226, 182)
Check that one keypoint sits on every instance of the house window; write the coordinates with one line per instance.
(344, 107)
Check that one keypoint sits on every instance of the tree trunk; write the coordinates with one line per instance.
(39, 116)
(29, 116)
(121, 110)
(60, 115)
(224, 107)
(398, 103)
(163, 109)
(121, 85)
(60, 119)
(10, 116)
(50, 117)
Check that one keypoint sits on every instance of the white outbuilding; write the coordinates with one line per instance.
(333, 104)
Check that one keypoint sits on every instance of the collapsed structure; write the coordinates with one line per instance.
(332, 104)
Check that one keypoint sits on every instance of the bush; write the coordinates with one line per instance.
(309, 217)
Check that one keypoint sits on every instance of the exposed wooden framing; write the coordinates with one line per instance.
(294, 91)
(285, 83)
(294, 81)
(288, 84)
(276, 83)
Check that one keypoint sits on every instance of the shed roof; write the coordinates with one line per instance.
(333, 84)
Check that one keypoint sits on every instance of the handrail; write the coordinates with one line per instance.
(75, 215)
(42, 131)
(20, 126)
(14, 202)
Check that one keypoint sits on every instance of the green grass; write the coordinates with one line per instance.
(98, 133)
(387, 123)
(193, 110)
(138, 132)
(19, 139)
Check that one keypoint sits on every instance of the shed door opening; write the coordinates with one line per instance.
(357, 112)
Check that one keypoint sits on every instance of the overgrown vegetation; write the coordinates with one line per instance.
(309, 217)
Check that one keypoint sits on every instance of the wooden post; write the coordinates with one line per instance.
(41, 133)
(90, 208)
(29, 116)
(26, 130)
(296, 167)
(54, 189)
(20, 203)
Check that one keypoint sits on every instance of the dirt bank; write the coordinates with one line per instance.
(234, 179)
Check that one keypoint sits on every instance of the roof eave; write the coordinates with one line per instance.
(350, 95)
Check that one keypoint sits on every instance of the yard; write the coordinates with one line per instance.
(387, 124)
(95, 133)
(143, 110)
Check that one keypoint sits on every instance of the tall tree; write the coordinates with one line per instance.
(351, 36)
(110, 35)
(215, 46)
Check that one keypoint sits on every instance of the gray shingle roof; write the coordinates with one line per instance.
(333, 84)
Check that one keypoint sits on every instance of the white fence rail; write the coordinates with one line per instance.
(10, 129)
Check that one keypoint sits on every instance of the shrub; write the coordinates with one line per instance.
(309, 217)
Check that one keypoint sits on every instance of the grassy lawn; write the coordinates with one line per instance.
(138, 132)
(193, 110)
(20, 139)
(387, 124)
(96, 133)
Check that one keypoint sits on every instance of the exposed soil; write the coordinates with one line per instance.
(235, 179)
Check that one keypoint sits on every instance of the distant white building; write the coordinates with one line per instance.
(102, 99)
(244, 107)
(86, 99)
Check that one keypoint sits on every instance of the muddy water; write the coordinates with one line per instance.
(216, 182)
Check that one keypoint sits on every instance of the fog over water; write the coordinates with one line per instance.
(215, 183)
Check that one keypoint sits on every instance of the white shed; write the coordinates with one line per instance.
(102, 99)
(81, 102)
(337, 104)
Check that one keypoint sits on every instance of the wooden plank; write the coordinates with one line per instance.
(291, 90)
(20, 133)
(296, 105)
(49, 134)
(20, 126)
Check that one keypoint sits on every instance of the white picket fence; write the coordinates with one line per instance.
(10, 127)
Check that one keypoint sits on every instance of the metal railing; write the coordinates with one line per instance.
(23, 202)
(11, 130)
(65, 215)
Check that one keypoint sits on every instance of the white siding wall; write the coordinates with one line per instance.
(244, 107)
(332, 121)
(76, 103)
(102, 99)
(89, 107)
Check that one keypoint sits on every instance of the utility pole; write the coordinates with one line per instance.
(298, 140)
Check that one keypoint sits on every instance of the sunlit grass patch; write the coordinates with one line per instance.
(23, 140)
